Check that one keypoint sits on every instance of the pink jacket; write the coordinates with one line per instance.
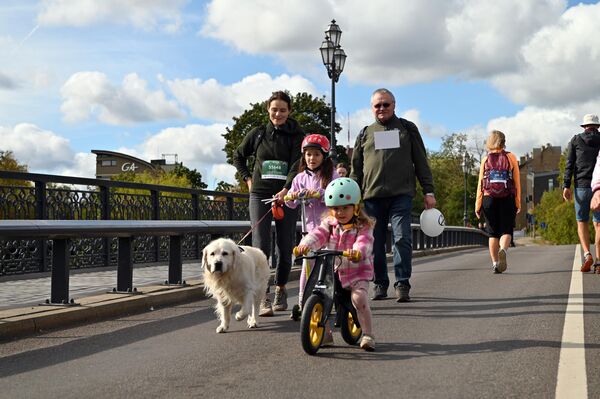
(329, 234)
(596, 175)
(314, 207)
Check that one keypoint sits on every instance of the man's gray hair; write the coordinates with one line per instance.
(384, 91)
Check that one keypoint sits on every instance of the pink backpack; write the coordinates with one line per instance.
(497, 175)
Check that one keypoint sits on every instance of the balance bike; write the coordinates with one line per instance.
(326, 292)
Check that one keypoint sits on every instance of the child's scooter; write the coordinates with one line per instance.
(326, 291)
(303, 198)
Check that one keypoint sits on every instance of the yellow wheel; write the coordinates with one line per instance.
(312, 324)
(349, 328)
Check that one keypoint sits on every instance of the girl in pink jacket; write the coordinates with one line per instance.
(347, 227)
(315, 172)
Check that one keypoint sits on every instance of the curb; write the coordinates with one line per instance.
(21, 322)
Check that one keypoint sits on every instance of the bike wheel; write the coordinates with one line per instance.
(349, 327)
(312, 328)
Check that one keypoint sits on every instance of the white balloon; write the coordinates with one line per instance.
(432, 222)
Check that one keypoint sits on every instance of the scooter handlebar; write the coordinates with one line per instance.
(297, 196)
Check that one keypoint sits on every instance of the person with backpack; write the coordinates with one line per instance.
(275, 148)
(388, 157)
(582, 152)
(498, 197)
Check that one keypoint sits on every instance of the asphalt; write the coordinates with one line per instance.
(23, 312)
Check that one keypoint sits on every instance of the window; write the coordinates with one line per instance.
(111, 162)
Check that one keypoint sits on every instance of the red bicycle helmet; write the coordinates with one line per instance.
(316, 141)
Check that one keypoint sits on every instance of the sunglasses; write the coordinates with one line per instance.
(381, 105)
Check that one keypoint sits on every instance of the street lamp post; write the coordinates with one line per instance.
(465, 169)
(334, 59)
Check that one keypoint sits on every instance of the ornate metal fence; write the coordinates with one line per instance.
(50, 197)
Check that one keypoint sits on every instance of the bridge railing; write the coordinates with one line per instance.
(61, 198)
(62, 232)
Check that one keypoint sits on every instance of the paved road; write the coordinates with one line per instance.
(467, 334)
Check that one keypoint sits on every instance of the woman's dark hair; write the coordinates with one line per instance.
(326, 170)
(280, 95)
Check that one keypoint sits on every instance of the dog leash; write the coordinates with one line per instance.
(253, 227)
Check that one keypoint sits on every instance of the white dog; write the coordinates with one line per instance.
(235, 275)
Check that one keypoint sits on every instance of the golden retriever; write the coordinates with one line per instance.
(233, 275)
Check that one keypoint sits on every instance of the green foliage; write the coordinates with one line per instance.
(312, 113)
(559, 218)
(193, 176)
(449, 181)
(159, 177)
(224, 186)
(9, 162)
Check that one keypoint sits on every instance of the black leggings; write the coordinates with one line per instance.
(285, 232)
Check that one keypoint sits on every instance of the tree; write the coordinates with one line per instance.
(448, 180)
(158, 177)
(8, 162)
(312, 113)
(193, 176)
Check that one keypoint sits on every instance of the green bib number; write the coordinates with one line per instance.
(274, 170)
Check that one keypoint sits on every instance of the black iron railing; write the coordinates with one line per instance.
(54, 198)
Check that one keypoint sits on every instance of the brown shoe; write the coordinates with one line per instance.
(587, 265)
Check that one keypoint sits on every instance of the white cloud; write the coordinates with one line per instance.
(213, 101)
(90, 94)
(390, 42)
(534, 127)
(146, 15)
(193, 144)
(223, 172)
(39, 149)
(560, 63)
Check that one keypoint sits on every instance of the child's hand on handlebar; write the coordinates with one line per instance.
(301, 250)
(353, 254)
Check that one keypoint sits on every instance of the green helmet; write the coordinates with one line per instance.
(342, 191)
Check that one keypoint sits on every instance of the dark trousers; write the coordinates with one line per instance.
(395, 210)
(285, 233)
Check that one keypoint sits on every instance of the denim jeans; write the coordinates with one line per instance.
(285, 235)
(397, 211)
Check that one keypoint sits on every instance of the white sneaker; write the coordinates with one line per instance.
(367, 343)
(502, 265)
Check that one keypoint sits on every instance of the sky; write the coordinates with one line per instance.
(156, 77)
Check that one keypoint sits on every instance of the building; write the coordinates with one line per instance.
(109, 163)
(539, 173)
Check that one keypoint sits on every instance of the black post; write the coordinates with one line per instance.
(332, 124)
(41, 213)
(125, 265)
(175, 268)
(59, 286)
(465, 218)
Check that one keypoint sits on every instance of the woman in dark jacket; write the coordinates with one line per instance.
(276, 149)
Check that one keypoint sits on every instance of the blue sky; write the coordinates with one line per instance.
(167, 76)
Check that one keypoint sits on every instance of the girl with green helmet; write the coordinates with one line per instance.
(345, 227)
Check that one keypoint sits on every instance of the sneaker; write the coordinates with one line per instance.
(280, 301)
(495, 269)
(367, 343)
(266, 309)
(598, 269)
(379, 292)
(587, 265)
(327, 339)
(402, 292)
(502, 260)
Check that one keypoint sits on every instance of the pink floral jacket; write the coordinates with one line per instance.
(329, 234)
